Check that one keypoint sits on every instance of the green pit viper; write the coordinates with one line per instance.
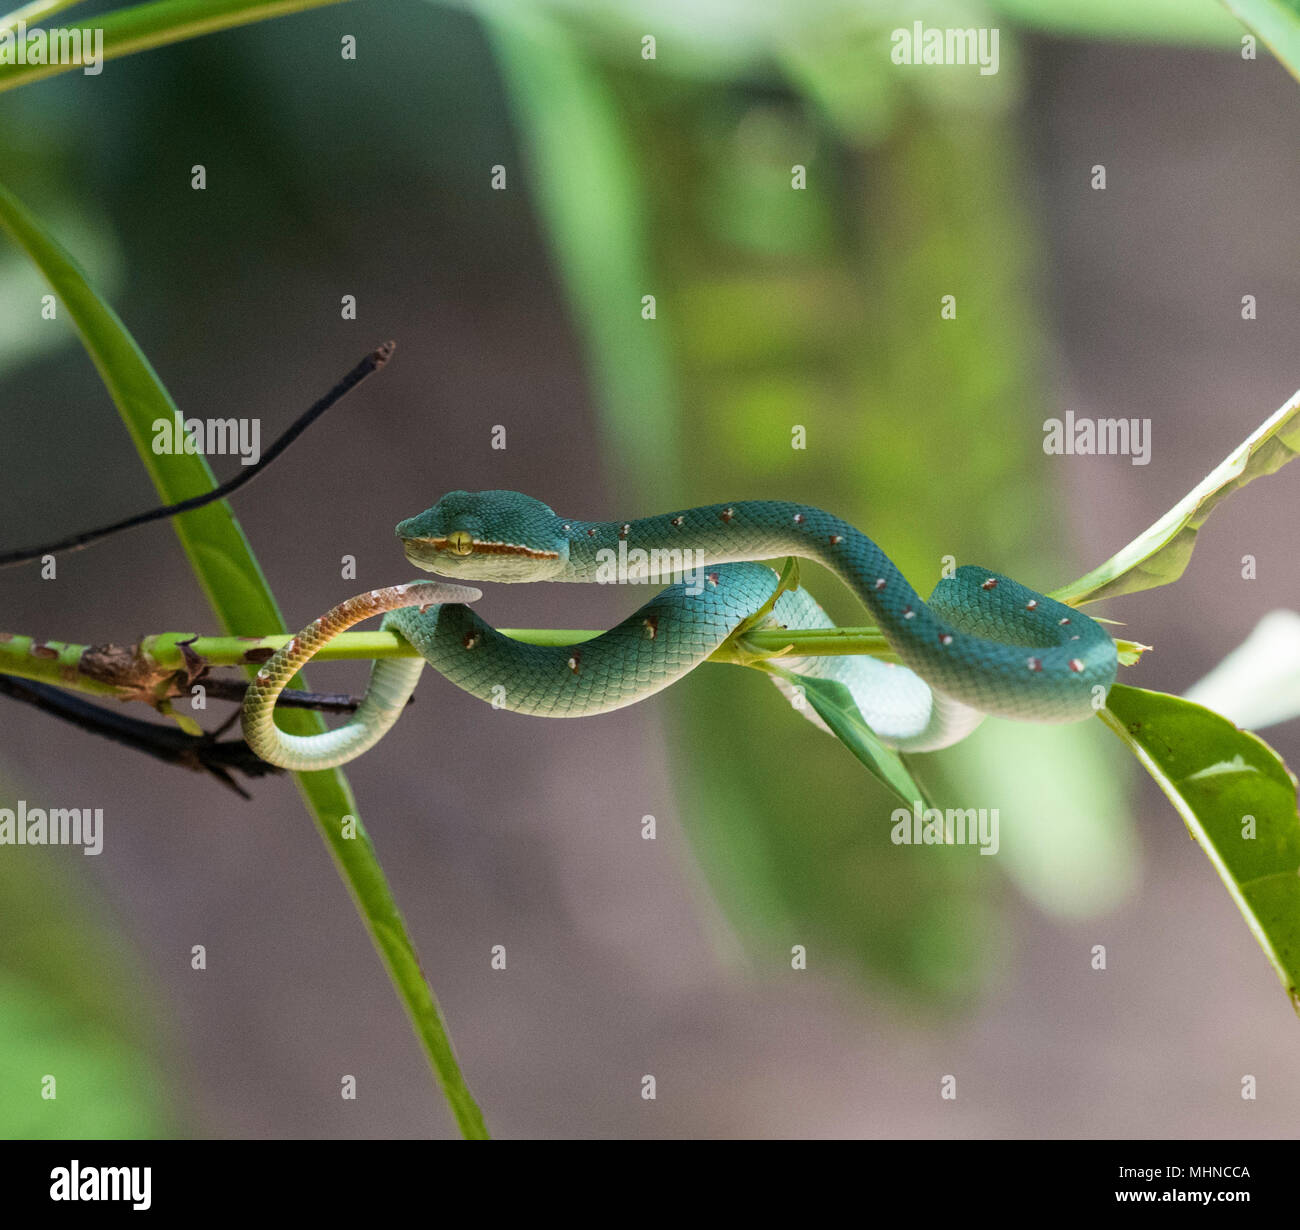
(982, 643)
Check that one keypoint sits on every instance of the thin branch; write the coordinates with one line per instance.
(219, 688)
(75, 542)
(198, 753)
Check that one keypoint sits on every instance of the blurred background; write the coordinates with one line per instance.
(775, 307)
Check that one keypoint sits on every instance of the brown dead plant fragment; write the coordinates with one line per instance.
(131, 673)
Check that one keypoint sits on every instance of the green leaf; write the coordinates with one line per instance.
(1160, 554)
(834, 704)
(225, 566)
(1277, 22)
(1217, 777)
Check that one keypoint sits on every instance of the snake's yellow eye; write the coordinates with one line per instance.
(460, 542)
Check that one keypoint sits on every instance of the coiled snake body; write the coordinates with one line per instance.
(982, 643)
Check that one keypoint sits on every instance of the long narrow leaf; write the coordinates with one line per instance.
(144, 26)
(1160, 554)
(229, 573)
(834, 704)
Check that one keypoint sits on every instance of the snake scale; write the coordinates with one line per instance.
(982, 643)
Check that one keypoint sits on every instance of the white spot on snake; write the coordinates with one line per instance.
(727, 514)
(591, 533)
(908, 613)
(575, 661)
(566, 527)
(989, 584)
(1032, 604)
(1076, 665)
(1034, 664)
(713, 578)
(880, 583)
(470, 640)
(624, 529)
(836, 539)
(1063, 621)
(651, 626)
(798, 518)
(263, 675)
(676, 522)
(945, 638)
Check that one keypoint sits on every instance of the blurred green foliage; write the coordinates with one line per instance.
(70, 996)
(820, 307)
(775, 307)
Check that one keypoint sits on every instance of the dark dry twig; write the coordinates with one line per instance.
(199, 753)
(75, 542)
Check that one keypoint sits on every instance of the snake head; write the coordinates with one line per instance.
(486, 536)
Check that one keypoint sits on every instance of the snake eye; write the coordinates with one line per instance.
(460, 542)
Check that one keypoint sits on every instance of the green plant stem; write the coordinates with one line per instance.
(144, 26)
(149, 669)
(228, 651)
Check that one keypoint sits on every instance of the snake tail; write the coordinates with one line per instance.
(392, 680)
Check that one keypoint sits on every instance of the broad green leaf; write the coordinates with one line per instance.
(1239, 803)
(230, 575)
(1160, 554)
(1258, 683)
(1277, 22)
(834, 704)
